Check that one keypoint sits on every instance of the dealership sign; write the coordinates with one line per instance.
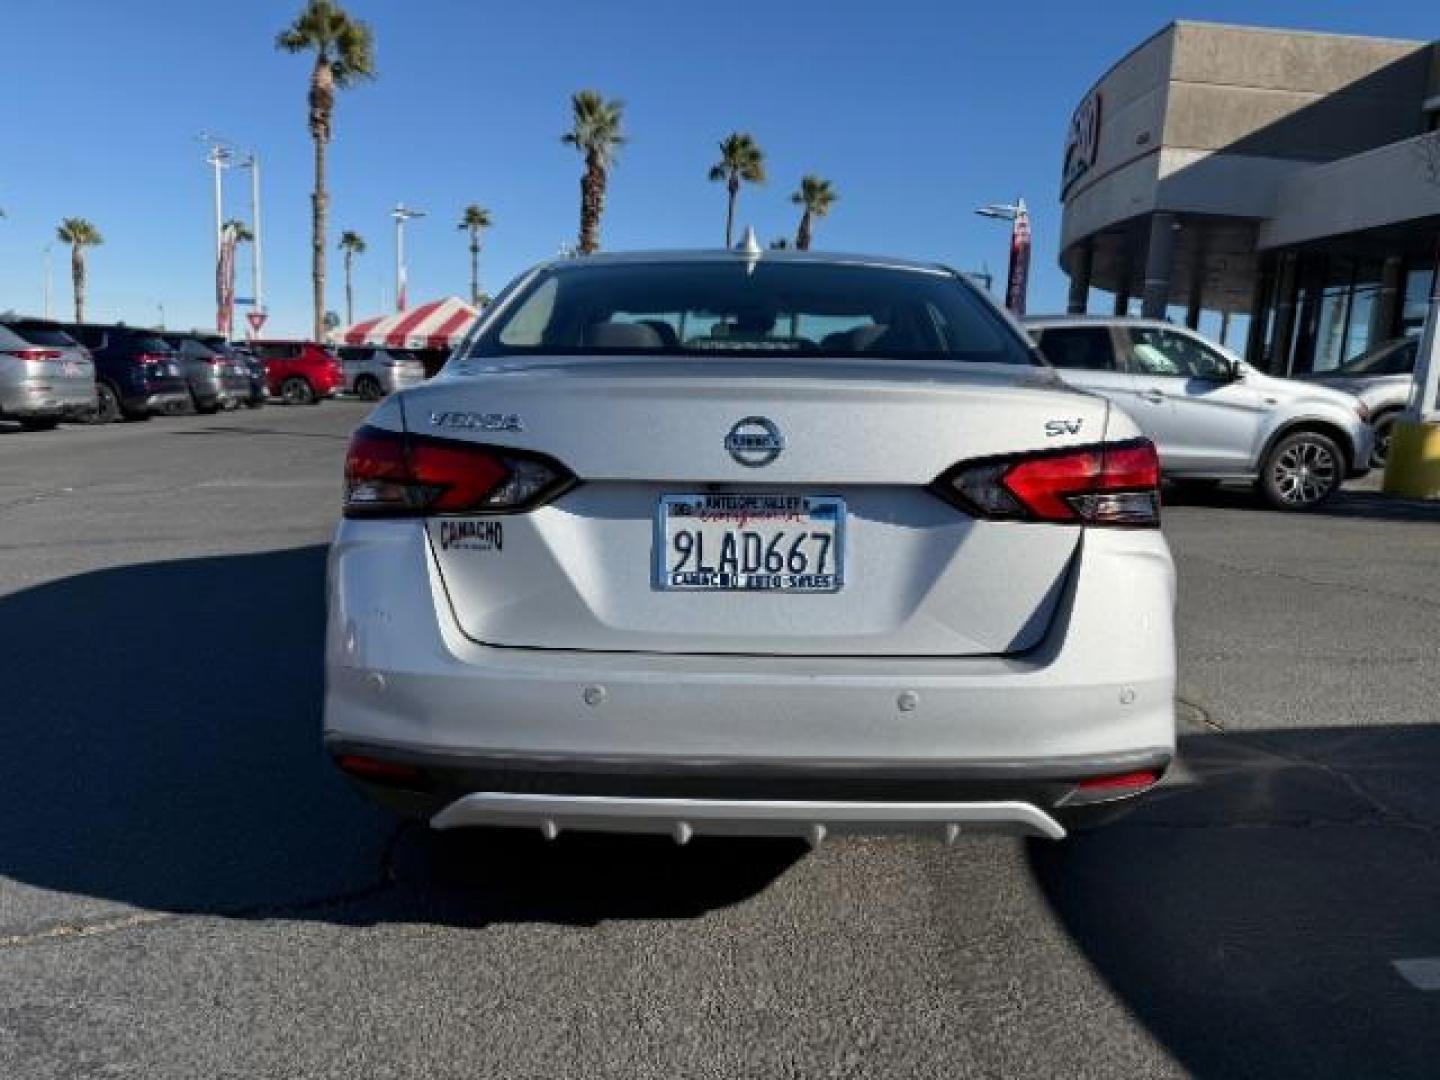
(1082, 142)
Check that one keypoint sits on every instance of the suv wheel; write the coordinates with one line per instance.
(1384, 429)
(296, 391)
(107, 405)
(1301, 471)
(369, 389)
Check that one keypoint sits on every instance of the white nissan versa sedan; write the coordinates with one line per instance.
(756, 544)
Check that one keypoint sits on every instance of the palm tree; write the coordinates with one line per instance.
(352, 244)
(243, 235)
(816, 196)
(343, 54)
(79, 234)
(741, 160)
(475, 219)
(596, 134)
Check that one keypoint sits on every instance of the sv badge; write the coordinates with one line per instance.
(1056, 428)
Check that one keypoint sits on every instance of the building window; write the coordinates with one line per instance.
(1416, 303)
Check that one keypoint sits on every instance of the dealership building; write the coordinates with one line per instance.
(1283, 187)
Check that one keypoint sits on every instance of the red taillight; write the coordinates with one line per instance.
(152, 358)
(392, 473)
(34, 354)
(1116, 484)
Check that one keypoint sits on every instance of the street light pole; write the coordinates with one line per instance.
(218, 159)
(256, 262)
(401, 214)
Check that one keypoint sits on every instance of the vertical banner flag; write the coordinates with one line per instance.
(1018, 280)
(225, 283)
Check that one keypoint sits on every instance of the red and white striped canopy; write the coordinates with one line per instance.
(439, 324)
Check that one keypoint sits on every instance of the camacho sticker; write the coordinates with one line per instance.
(472, 535)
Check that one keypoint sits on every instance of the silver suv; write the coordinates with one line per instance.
(1213, 416)
(372, 373)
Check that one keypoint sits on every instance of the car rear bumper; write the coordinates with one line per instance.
(163, 401)
(47, 397)
(404, 684)
(393, 379)
(750, 798)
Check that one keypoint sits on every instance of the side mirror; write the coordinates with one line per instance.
(1237, 372)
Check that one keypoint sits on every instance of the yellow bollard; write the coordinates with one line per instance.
(1413, 467)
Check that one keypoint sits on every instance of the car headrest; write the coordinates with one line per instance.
(608, 335)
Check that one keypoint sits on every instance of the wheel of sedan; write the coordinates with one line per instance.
(1384, 429)
(369, 389)
(1301, 471)
(296, 391)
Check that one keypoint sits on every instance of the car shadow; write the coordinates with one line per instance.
(1348, 502)
(1251, 914)
(161, 725)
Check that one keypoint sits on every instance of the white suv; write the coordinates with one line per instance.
(1212, 416)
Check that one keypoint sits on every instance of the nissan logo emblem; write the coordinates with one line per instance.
(754, 441)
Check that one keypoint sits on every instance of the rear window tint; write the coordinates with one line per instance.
(43, 334)
(776, 308)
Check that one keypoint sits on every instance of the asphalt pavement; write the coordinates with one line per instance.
(187, 889)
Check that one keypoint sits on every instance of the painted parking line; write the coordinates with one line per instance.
(1423, 973)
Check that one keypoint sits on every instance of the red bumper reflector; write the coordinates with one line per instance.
(1141, 779)
(368, 768)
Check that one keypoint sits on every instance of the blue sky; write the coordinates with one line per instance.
(917, 111)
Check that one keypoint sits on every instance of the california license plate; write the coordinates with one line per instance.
(749, 543)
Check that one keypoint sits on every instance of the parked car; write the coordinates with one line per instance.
(137, 373)
(299, 372)
(45, 375)
(254, 368)
(1212, 416)
(216, 382)
(749, 542)
(1383, 379)
(372, 373)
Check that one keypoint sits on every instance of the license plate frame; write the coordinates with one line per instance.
(730, 514)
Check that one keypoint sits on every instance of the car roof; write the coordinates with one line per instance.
(714, 255)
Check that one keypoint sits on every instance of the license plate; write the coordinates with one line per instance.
(749, 543)
(72, 367)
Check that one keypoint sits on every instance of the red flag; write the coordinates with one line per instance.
(1018, 280)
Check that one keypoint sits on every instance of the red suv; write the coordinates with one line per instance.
(299, 372)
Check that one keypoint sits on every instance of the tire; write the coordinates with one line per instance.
(40, 423)
(297, 391)
(107, 405)
(368, 388)
(253, 403)
(1302, 471)
(1384, 428)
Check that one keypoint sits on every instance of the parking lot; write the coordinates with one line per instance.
(188, 889)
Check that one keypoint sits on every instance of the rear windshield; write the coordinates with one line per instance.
(146, 343)
(773, 308)
(43, 334)
(194, 347)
